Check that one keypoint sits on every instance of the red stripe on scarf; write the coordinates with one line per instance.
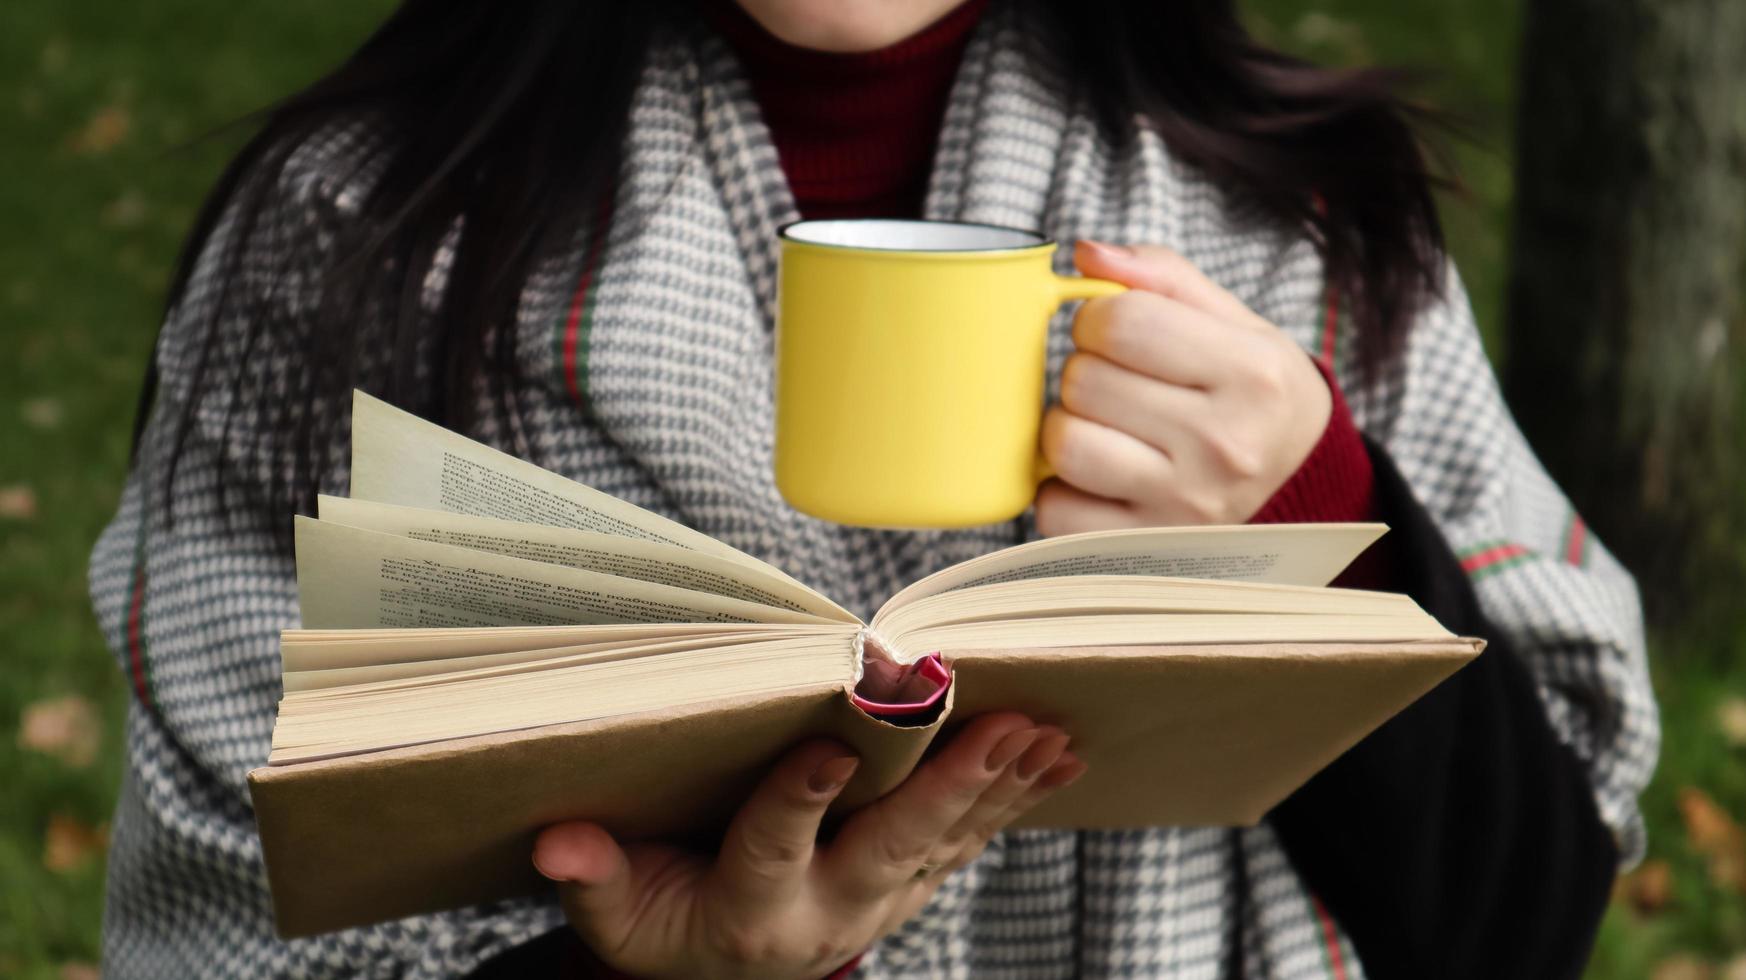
(1481, 560)
(1331, 325)
(581, 305)
(1331, 939)
(136, 635)
(1577, 541)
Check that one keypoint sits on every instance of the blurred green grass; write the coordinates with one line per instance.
(98, 105)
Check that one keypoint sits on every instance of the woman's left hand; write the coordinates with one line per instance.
(1180, 406)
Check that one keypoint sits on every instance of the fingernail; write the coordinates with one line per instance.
(1066, 772)
(1042, 755)
(1010, 748)
(1107, 250)
(832, 774)
(555, 853)
(542, 868)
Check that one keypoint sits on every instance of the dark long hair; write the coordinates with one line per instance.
(507, 123)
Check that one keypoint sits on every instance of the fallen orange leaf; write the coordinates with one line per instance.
(1683, 966)
(1649, 887)
(1714, 834)
(67, 728)
(17, 502)
(68, 844)
(104, 132)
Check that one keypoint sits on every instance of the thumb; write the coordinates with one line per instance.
(584, 858)
(769, 844)
(1164, 271)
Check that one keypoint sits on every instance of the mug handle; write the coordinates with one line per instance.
(1067, 289)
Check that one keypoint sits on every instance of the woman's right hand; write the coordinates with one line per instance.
(775, 902)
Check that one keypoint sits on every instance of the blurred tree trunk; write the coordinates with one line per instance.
(1626, 360)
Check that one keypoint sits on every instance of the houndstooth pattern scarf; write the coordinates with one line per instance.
(643, 367)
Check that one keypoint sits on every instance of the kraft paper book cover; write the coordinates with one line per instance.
(487, 648)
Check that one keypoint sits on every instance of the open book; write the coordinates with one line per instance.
(489, 648)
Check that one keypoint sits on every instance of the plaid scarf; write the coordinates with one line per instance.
(643, 368)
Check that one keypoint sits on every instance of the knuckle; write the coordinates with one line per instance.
(1081, 463)
(1267, 376)
(1247, 464)
(1238, 456)
(973, 847)
(950, 848)
(765, 849)
(1089, 321)
(1075, 386)
(963, 785)
(949, 844)
(1125, 326)
(745, 944)
(1063, 444)
(1056, 435)
(899, 851)
(1070, 457)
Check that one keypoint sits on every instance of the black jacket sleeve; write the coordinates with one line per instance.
(1461, 838)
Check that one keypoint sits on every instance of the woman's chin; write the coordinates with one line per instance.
(845, 27)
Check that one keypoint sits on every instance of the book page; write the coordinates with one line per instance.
(1284, 554)
(1104, 595)
(645, 560)
(301, 649)
(1168, 629)
(399, 458)
(462, 669)
(317, 724)
(350, 578)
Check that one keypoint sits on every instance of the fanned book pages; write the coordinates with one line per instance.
(488, 648)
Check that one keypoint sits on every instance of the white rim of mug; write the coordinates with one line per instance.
(1037, 239)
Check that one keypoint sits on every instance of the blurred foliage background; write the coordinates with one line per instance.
(108, 113)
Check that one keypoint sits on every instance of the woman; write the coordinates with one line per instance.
(554, 229)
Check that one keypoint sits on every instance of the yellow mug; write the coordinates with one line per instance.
(910, 369)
